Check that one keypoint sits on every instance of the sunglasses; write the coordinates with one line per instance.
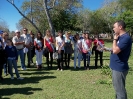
(24, 30)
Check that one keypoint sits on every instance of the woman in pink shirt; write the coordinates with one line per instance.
(86, 52)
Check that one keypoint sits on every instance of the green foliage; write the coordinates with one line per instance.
(127, 16)
(127, 4)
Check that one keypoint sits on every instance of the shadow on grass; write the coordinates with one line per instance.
(11, 91)
(28, 80)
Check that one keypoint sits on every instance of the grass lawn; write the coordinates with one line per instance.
(68, 84)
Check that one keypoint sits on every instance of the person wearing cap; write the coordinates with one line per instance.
(27, 44)
(18, 42)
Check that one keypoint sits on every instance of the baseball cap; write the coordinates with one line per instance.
(17, 31)
(1, 32)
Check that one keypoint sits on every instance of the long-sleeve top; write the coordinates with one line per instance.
(11, 52)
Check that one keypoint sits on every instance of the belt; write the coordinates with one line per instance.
(20, 49)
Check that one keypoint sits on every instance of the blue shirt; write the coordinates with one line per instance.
(11, 52)
(119, 62)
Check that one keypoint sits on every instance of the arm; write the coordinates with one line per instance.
(115, 48)
(44, 42)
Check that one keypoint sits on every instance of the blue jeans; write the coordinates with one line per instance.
(79, 55)
(21, 53)
(6, 69)
(14, 63)
(85, 56)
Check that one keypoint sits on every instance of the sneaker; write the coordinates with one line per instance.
(12, 78)
(58, 69)
(23, 68)
(61, 70)
(20, 78)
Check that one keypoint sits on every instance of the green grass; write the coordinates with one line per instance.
(68, 84)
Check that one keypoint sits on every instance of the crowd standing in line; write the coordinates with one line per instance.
(30, 45)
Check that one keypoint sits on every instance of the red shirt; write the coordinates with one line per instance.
(95, 42)
(49, 45)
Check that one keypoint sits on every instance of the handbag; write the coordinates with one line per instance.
(55, 55)
(45, 51)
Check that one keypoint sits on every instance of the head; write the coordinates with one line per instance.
(68, 34)
(77, 36)
(9, 42)
(39, 35)
(60, 33)
(5, 35)
(48, 33)
(96, 37)
(17, 33)
(87, 36)
(83, 35)
(32, 35)
(119, 27)
(25, 30)
(1, 33)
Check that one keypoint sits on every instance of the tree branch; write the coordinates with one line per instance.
(52, 5)
(22, 14)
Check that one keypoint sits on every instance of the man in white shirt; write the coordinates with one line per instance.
(18, 42)
(27, 45)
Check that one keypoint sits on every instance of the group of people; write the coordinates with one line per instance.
(65, 45)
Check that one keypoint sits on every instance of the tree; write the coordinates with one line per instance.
(127, 17)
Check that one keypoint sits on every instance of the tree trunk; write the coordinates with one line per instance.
(49, 18)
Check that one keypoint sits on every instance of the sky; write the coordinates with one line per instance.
(11, 16)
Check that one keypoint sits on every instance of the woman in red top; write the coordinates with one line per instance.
(86, 49)
(98, 48)
(49, 43)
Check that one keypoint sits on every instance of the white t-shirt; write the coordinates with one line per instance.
(27, 38)
(59, 42)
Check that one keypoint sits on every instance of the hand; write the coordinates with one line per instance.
(59, 51)
(116, 36)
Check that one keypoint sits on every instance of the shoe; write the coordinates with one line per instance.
(12, 78)
(20, 78)
(23, 68)
(58, 69)
(61, 70)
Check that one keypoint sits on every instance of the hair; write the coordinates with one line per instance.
(74, 38)
(39, 38)
(4, 34)
(61, 33)
(121, 23)
(10, 41)
(46, 33)
(25, 29)
(88, 36)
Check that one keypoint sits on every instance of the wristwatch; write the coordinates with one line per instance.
(115, 39)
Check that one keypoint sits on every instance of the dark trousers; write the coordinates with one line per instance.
(32, 54)
(86, 57)
(67, 60)
(51, 59)
(28, 56)
(6, 68)
(1, 67)
(98, 53)
(60, 59)
(119, 79)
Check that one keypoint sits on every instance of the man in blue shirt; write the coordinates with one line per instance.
(121, 50)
